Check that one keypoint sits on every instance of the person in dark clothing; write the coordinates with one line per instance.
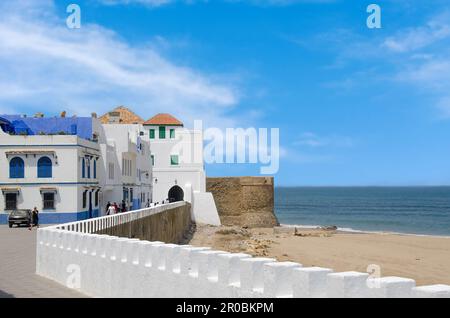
(124, 206)
(107, 207)
(34, 218)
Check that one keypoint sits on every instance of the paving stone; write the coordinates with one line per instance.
(18, 266)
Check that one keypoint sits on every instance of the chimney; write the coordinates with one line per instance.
(63, 114)
(94, 115)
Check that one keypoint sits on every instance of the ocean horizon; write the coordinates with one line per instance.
(417, 210)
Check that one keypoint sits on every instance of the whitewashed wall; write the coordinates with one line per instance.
(189, 174)
(121, 143)
(66, 153)
(105, 266)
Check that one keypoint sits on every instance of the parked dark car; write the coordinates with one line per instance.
(19, 217)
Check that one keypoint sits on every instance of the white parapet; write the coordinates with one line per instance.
(347, 285)
(391, 287)
(185, 256)
(432, 291)
(203, 274)
(252, 276)
(204, 210)
(278, 278)
(107, 266)
(224, 274)
(100, 281)
(229, 269)
(310, 282)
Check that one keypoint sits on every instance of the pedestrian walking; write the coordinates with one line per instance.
(34, 218)
(111, 210)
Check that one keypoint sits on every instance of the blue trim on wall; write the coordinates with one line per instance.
(48, 183)
(136, 204)
(57, 218)
(51, 145)
(95, 213)
(3, 218)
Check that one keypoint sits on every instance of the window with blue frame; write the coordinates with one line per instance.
(88, 169)
(83, 168)
(17, 168)
(95, 169)
(44, 167)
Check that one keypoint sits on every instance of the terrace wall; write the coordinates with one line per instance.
(166, 225)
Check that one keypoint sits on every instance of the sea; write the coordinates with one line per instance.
(406, 210)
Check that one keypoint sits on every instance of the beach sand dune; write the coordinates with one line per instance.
(423, 258)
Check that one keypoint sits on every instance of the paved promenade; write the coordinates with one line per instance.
(17, 268)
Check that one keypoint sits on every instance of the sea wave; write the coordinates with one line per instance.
(351, 230)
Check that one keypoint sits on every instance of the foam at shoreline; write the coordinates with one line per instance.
(354, 231)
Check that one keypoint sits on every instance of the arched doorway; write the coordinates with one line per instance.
(176, 194)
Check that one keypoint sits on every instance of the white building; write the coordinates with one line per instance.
(178, 167)
(127, 168)
(69, 168)
(52, 164)
(177, 159)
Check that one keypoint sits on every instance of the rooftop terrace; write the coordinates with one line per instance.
(29, 126)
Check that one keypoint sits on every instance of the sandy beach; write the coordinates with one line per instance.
(423, 258)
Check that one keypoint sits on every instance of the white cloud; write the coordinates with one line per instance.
(432, 77)
(437, 29)
(433, 74)
(158, 3)
(428, 65)
(150, 3)
(49, 67)
(444, 107)
(313, 140)
(294, 156)
(418, 56)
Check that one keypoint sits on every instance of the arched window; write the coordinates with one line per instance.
(83, 168)
(16, 168)
(44, 167)
(95, 169)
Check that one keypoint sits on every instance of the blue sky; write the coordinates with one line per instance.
(355, 106)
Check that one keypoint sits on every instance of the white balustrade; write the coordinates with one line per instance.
(110, 266)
